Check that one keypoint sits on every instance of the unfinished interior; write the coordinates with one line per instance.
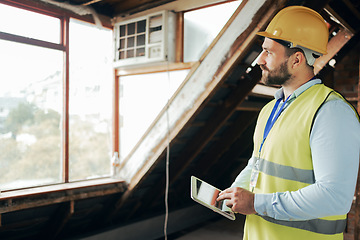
(204, 125)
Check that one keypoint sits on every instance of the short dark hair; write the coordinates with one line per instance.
(291, 51)
(288, 50)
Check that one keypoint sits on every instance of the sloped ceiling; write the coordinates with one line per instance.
(114, 8)
(214, 144)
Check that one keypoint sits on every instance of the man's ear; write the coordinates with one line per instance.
(298, 59)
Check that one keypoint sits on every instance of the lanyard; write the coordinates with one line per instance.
(270, 122)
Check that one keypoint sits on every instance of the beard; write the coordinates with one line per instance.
(277, 76)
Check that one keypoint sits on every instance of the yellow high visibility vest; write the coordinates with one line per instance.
(285, 164)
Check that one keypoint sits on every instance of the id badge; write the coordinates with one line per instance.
(254, 178)
(254, 174)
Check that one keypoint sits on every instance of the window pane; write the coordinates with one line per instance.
(131, 42)
(29, 24)
(141, 26)
(142, 97)
(140, 40)
(30, 115)
(201, 27)
(91, 78)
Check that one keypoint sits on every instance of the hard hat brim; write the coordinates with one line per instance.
(271, 36)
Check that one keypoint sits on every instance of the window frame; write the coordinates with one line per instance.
(64, 16)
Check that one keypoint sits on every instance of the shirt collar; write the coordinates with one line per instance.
(280, 93)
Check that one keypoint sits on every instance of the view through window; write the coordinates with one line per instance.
(32, 97)
(30, 102)
(142, 97)
(91, 79)
(201, 27)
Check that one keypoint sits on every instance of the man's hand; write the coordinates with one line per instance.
(239, 200)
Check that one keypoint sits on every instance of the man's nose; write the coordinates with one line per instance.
(260, 59)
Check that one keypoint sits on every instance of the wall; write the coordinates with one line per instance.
(346, 80)
(346, 76)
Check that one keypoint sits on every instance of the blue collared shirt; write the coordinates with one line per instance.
(335, 148)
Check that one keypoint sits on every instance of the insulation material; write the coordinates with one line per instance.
(77, 9)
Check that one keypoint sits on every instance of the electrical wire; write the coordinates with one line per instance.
(167, 191)
(167, 159)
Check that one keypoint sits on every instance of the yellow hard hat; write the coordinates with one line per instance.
(300, 26)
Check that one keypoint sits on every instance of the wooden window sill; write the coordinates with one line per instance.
(46, 195)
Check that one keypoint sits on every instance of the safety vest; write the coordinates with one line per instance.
(285, 164)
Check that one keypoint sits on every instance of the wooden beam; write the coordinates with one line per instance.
(131, 7)
(250, 106)
(222, 114)
(23, 224)
(57, 224)
(65, 23)
(31, 41)
(334, 46)
(179, 53)
(333, 14)
(29, 198)
(91, 2)
(116, 113)
(263, 90)
(238, 149)
(352, 8)
(55, 10)
(243, 122)
(163, 67)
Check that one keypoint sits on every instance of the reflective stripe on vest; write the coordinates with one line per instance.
(285, 172)
(321, 226)
(315, 225)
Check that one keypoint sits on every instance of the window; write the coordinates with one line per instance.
(31, 99)
(32, 119)
(144, 39)
(90, 101)
(201, 27)
(132, 39)
(30, 136)
(30, 24)
(142, 97)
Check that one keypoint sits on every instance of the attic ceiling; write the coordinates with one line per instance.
(350, 9)
(112, 8)
(214, 144)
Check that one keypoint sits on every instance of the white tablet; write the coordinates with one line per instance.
(206, 195)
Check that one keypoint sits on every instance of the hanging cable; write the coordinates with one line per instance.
(167, 158)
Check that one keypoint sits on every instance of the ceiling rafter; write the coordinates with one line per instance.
(91, 2)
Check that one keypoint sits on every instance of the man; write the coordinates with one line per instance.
(301, 178)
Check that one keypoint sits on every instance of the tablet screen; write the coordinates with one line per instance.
(206, 195)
